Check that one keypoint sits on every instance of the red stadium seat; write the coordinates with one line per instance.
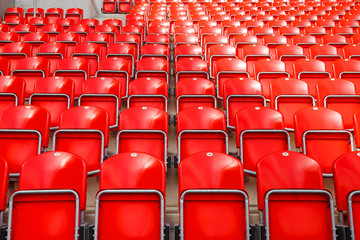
(325, 53)
(259, 131)
(266, 70)
(52, 30)
(105, 93)
(77, 69)
(321, 134)
(36, 39)
(293, 198)
(225, 69)
(84, 131)
(153, 67)
(26, 128)
(348, 69)
(14, 52)
(213, 203)
(190, 68)
(51, 184)
(53, 52)
(195, 92)
(240, 93)
(143, 129)
(74, 13)
(200, 129)
(31, 69)
(91, 52)
(53, 14)
(288, 95)
(346, 180)
(70, 39)
(148, 92)
(188, 51)
(55, 94)
(131, 181)
(110, 6)
(339, 95)
(12, 92)
(310, 71)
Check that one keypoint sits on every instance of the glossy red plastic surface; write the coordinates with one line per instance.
(244, 87)
(54, 52)
(293, 215)
(266, 70)
(143, 118)
(98, 86)
(212, 215)
(55, 213)
(252, 53)
(16, 51)
(288, 54)
(226, 68)
(322, 147)
(22, 118)
(54, 14)
(77, 69)
(310, 71)
(11, 85)
(4, 182)
(185, 67)
(201, 119)
(31, 69)
(91, 52)
(288, 105)
(70, 39)
(149, 87)
(75, 13)
(119, 212)
(87, 145)
(196, 87)
(255, 145)
(346, 106)
(153, 67)
(348, 69)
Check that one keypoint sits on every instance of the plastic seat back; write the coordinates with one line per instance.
(213, 203)
(12, 92)
(153, 67)
(25, 128)
(225, 69)
(190, 68)
(195, 92)
(148, 92)
(77, 69)
(348, 69)
(52, 184)
(84, 131)
(201, 129)
(291, 183)
(310, 71)
(339, 95)
(259, 131)
(143, 129)
(104, 93)
(55, 94)
(321, 134)
(131, 181)
(346, 180)
(240, 93)
(31, 69)
(53, 52)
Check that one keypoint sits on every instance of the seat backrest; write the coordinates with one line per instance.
(133, 171)
(333, 86)
(27, 117)
(86, 117)
(146, 118)
(261, 118)
(15, 85)
(201, 118)
(4, 183)
(346, 178)
(210, 170)
(315, 118)
(286, 170)
(55, 170)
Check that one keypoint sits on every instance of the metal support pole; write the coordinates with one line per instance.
(35, 4)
